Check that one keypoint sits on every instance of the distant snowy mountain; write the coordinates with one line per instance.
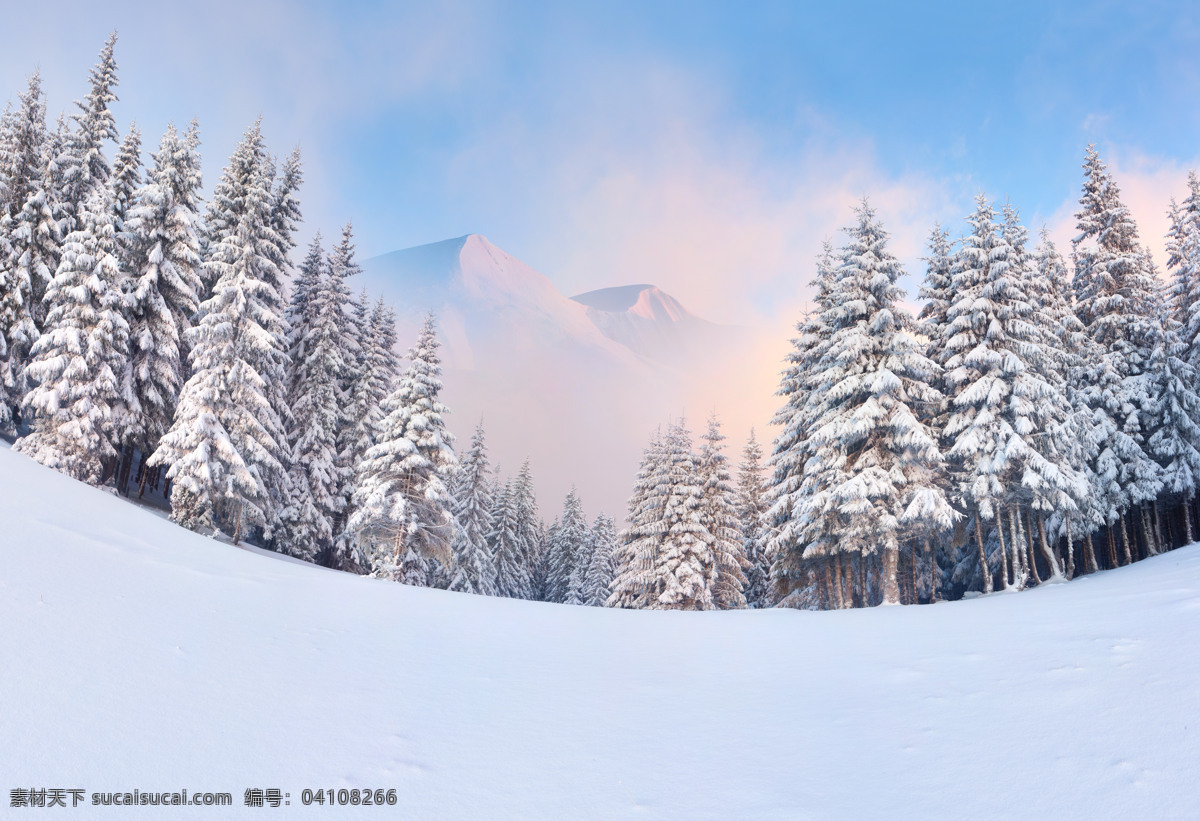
(575, 384)
(476, 289)
(652, 323)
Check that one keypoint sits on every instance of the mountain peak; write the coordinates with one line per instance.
(645, 301)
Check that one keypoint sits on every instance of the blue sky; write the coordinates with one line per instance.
(704, 147)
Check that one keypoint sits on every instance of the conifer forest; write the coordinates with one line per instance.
(1033, 415)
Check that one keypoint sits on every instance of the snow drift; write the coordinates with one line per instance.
(134, 654)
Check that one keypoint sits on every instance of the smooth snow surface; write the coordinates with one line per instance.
(137, 655)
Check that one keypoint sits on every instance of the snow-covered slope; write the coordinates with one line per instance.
(134, 654)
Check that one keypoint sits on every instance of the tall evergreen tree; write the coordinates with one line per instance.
(475, 565)
(938, 288)
(82, 165)
(1003, 398)
(226, 443)
(667, 562)
(790, 452)
(29, 249)
(565, 548)
(125, 181)
(530, 535)
(635, 548)
(401, 500)
(78, 361)
(718, 515)
(316, 399)
(601, 566)
(871, 453)
(751, 510)
(163, 250)
(1114, 298)
(504, 540)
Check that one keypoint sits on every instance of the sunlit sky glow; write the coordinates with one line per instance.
(698, 146)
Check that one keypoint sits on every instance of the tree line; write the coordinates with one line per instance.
(1037, 419)
(154, 343)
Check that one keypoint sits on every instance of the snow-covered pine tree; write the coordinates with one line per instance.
(475, 566)
(683, 574)
(1183, 265)
(1174, 411)
(226, 442)
(316, 400)
(1114, 291)
(126, 180)
(530, 532)
(504, 540)
(718, 515)
(302, 304)
(601, 567)
(543, 574)
(1003, 397)
(285, 214)
(29, 249)
(1053, 480)
(751, 510)
(163, 250)
(871, 453)
(789, 570)
(247, 245)
(82, 164)
(938, 287)
(401, 502)
(634, 555)
(570, 540)
(79, 359)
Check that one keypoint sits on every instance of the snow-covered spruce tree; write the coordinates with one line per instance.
(1183, 266)
(751, 507)
(82, 165)
(285, 212)
(634, 555)
(301, 307)
(784, 551)
(683, 574)
(29, 246)
(504, 541)
(601, 567)
(316, 400)
(1174, 411)
(401, 501)
(1115, 298)
(1054, 481)
(163, 250)
(665, 561)
(78, 361)
(226, 442)
(938, 288)
(542, 572)
(475, 567)
(718, 515)
(1004, 398)
(871, 454)
(530, 532)
(565, 549)
(1075, 441)
(126, 180)
(243, 240)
